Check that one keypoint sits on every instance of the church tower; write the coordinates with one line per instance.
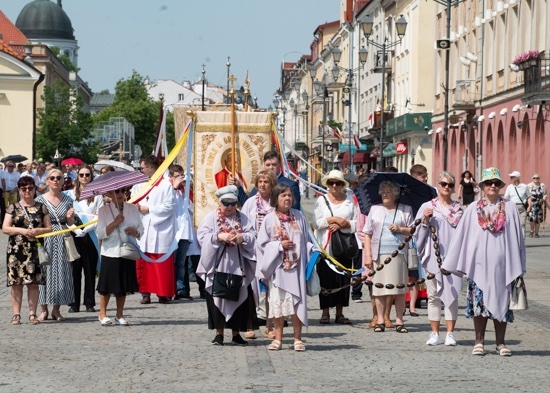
(45, 22)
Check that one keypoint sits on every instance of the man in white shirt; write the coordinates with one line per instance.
(158, 209)
(518, 193)
(9, 183)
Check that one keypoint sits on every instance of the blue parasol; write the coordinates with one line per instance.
(412, 192)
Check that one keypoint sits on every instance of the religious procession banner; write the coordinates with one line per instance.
(213, 157)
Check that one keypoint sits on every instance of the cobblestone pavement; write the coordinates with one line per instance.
(167, 348)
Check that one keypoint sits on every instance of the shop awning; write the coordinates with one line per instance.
(360, 157)
(390, 150)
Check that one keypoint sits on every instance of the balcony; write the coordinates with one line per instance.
(465, 95)
(388, 115)
(537, 83)
(382, 61)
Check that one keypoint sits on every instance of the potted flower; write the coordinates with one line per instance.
(527, 60)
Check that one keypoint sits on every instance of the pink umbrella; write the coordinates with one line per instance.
(72, 161)
(112, 181)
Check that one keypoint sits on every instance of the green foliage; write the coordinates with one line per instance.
(133, 103)
(64, 59)
(334, 124)
(64, 126)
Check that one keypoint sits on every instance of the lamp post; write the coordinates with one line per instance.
(228, 65)
(321, 89)
(203, 79)
(336, 56)
(401, 26)
(448, 4)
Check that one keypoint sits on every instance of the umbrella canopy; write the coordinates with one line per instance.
(112, 181)
(15, 158)
(119, 166)
(72, 161)
(413, 192)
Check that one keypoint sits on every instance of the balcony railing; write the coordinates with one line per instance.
(465, 94)
(537, 83)
(381, 60)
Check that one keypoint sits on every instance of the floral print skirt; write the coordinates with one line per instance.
(475, 306)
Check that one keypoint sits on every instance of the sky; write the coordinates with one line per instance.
(171, 39)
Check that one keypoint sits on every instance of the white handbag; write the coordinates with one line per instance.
(518, 298)
(313, 285)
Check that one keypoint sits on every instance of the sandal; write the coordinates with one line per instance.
(43, 316)
(325, 320)
(401, 329)
(373, 322)
(342, 320)
(275, 345)
(478, 350)
(33, 320)
(58, 317)
(299, 346)
(530, 234)
(269, 334)
(388, 323)
(503, 350)
(379, 328)
(16, 319)
(250, 335)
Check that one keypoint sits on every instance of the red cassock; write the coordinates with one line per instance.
(222, 176)
(156, 277)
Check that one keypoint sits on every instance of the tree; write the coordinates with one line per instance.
(64, 126)
(64, 59)
(134, 104)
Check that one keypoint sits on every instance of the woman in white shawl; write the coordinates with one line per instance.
(283, 250)
(227, 236)
(443, 214)
(489, 249)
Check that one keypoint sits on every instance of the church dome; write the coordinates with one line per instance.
(43, 19)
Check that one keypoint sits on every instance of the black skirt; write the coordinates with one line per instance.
(242, 319)
(117, 276)
(331, 280)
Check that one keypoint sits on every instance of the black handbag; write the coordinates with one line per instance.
(342, 245)
(227, 285)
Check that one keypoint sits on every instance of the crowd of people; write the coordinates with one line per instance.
(250, 254)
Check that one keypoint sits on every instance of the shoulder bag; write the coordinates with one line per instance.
(227, 285)
(68, 241)
(525, 204)
(518, 298)
(313, 283)
(127, 250)
(43, 256)
(343, 245)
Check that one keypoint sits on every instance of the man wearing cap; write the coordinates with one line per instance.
(518, 193)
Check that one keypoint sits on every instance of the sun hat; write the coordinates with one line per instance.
(515, 174)
(491, 173)
(334, 175)
(227, 193)
(351, 178)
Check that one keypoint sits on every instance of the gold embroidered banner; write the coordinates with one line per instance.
(212, 153)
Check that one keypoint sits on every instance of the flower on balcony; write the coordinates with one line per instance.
(527, 56)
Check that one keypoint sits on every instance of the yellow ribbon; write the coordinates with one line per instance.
(159, 172)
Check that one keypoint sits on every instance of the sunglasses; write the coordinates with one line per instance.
(331, 183)
(25, 189)
(445, 184)
(226, 204)
(496, 183)
(53, 178)
(85, 174)
(10, 166)
(121, 191)
(536, 178)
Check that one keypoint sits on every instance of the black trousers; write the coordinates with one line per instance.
(87, 264)
(2, 208)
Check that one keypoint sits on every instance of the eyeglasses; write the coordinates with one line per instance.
(226, 204)
(331, 183)
(53, 178)
(536, 178)
(10, 166)
(84, 174)
(121, 191)
(496, 183)
(445, 184)
(25, 189)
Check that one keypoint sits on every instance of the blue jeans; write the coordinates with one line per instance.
(182, 268)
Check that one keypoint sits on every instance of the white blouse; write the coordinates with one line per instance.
(110, 244)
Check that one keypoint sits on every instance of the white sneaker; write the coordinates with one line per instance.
(450, 340)
(434, 339)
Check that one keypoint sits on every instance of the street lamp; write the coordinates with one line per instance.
(203, 79)
(448, 4)
(401, 27)
(336, 57)
(228, 65)
(321, 89)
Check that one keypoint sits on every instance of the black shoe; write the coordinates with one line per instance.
(238, 340)
(186, 297)
(218, 340)
(163, 300)
(90, 309)
(74, 309)
(285, 324)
